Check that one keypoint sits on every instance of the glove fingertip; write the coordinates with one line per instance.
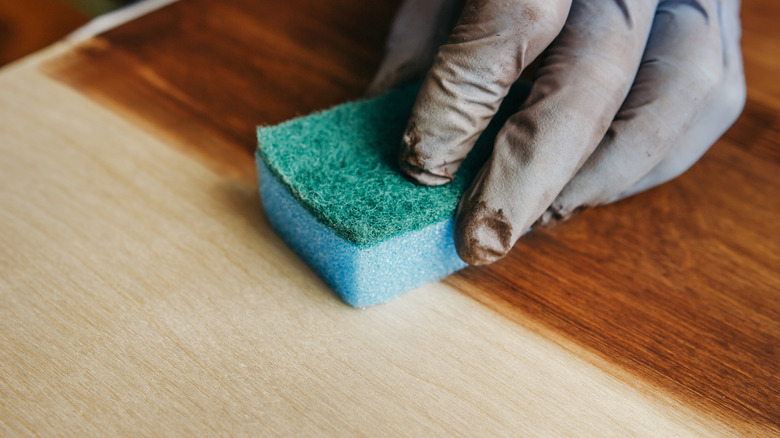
(482, 235)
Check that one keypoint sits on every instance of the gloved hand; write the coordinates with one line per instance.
(629, 95)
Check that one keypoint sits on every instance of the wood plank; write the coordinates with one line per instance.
(34, 24)
(674, 291)
(143, 294)
(761, 50)
(679, 286)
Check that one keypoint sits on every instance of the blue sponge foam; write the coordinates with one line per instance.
(362, 275)
(332, 189)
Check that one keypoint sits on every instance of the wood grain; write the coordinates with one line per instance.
(679, 286)
(142, 294)
(31, 25)
(676, 289)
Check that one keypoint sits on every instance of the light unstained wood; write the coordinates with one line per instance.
(141, 293)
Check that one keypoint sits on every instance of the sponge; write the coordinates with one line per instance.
(332, 189)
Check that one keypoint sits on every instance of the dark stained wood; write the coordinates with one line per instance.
(761, 50)
(678, 287)
(29, 25)
(758, 131)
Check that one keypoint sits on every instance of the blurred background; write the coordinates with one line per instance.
(29, 25)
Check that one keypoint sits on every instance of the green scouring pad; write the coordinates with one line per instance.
(332, 189)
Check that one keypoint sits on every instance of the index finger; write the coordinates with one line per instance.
(487, 50)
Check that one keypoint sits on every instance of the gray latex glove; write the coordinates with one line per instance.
(629, 95)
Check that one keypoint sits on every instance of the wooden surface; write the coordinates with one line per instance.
(142, 291)
(30, 25)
